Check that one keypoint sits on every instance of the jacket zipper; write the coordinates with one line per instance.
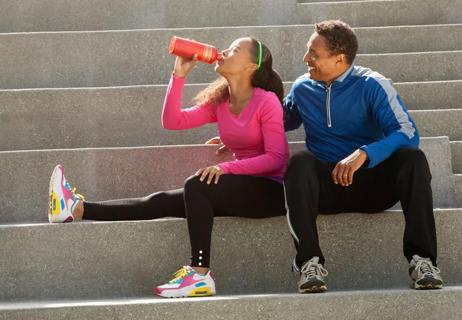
(329, 119)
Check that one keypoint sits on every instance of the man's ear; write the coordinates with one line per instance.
(341, 58)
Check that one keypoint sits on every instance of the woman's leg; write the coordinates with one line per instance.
(157, 205)
(234, 195)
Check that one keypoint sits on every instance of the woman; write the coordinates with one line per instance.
(246, 104)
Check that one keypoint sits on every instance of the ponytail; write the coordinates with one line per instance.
(265, 77)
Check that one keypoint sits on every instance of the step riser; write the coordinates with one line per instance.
(373, 305)
(107, 260)
(131, 58)
(438, 123)
(141, 14)
(102, 174)
(458, 191)
(127, 117)
(456, 150)
(22, 16)
(384, 305)
(384, 13)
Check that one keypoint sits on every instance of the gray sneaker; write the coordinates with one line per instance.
(424, 274)
(312, 276)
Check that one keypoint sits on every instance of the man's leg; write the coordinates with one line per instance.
(413, 186)
(302, 189)
(412, 179)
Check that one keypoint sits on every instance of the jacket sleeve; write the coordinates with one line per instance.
(292, 118)
(393, 118)
(175, 118)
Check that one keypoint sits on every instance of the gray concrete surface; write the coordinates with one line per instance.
(373, 305)
(458, 191)
(98, 260)
(383, 13)
(130, 116)
(68, 15)
(26, 16)
(456, 150)
(111, 173)
(51, 60)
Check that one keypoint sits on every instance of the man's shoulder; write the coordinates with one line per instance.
(302, 83)
(369, 77)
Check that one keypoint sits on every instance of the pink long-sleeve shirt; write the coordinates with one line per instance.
(256, 136)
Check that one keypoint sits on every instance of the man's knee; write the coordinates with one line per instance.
(300, 161)
(414, 158)
(412, 155)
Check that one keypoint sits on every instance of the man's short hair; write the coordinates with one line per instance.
(340, 38)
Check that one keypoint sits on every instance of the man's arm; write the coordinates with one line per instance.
(292, 118)
(392, 116)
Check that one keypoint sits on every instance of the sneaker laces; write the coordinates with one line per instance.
(181, 273)
(77, 196)
(426, 267)
(312, 269)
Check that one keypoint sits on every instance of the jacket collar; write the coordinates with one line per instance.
(340, 79)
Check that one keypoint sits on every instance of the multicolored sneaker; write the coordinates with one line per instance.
(187, 283)
(63, 198)
(424, 274)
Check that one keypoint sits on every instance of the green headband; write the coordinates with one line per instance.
(260, 53)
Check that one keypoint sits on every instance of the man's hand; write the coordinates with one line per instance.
(345, 169)
(212, 172)
(217, 140)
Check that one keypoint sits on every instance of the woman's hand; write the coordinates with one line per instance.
(222, 147)
(184, 65)
(212, 172)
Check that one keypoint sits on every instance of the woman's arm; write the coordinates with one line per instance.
(175, 118)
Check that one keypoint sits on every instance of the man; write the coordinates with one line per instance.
(362, 156)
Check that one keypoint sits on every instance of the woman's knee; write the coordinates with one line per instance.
(192, 183)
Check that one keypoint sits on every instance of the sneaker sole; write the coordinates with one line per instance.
(50, 194)
(430, 286)
(313, 289)
(187, 293)
(50, 199)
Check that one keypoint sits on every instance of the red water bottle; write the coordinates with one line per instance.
(187, 48)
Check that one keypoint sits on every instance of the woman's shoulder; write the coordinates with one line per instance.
(266, 96)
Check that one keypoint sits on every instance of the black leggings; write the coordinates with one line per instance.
(234, 195)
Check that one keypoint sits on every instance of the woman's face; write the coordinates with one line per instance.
(237, 59)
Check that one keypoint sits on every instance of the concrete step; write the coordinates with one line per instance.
(111, 173)
(456, 150)
(83, 59)
(68, 15)
(370, 304)
(458, 190)
(383, 13)
(24, 16)
(439, 122)
(130, 116)
(99, 260)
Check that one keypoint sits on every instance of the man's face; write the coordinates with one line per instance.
(322, 64)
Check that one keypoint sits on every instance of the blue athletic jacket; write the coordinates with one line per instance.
(360, 109)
